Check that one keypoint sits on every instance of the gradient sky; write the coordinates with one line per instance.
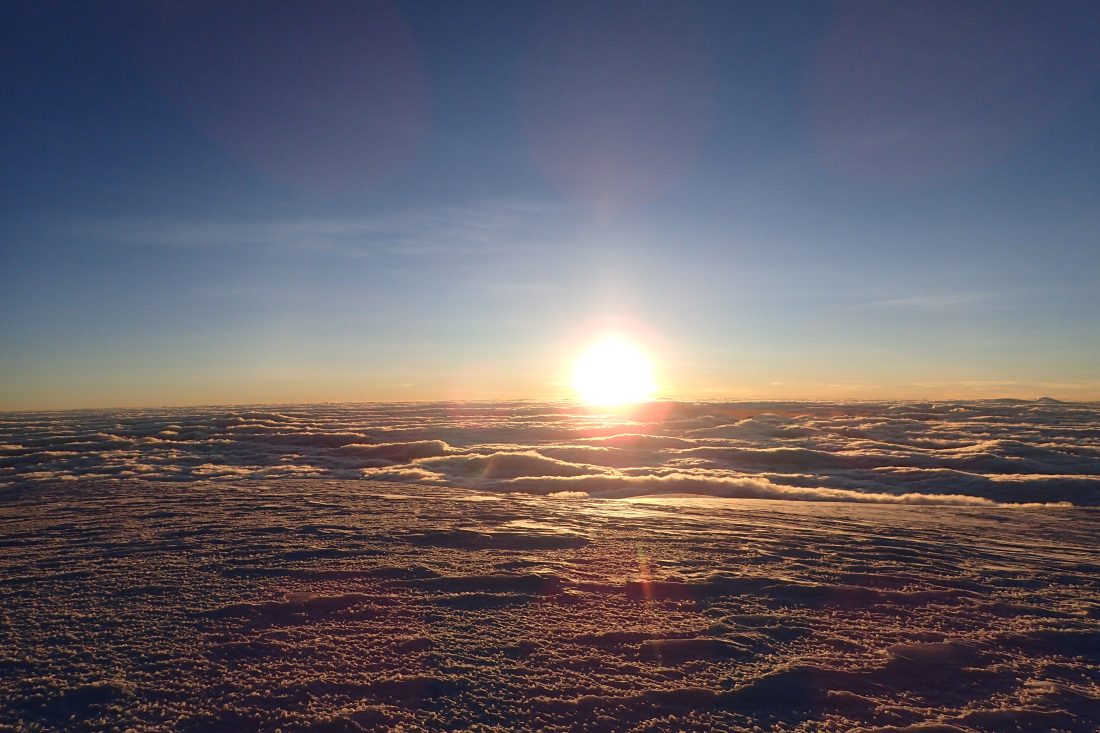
(250, 202)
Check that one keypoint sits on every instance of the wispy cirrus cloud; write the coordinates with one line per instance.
(932, 301)
(486, 228)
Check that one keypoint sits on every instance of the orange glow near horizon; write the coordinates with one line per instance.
(614, 372)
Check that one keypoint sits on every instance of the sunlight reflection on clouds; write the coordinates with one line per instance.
(924, 453)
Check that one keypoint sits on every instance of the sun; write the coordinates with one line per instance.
(613, 372)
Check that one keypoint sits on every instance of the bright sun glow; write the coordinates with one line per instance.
(613, 372)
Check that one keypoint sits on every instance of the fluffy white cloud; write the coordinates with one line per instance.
(967, 453)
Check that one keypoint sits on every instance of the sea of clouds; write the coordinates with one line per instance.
(964, 453)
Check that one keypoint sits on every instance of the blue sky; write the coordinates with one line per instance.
(234, 202)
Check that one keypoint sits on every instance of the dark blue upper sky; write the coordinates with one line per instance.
(243, 202)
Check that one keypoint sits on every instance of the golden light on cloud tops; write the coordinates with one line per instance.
(613, 371)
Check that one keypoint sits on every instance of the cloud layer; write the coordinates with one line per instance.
(967, 453)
